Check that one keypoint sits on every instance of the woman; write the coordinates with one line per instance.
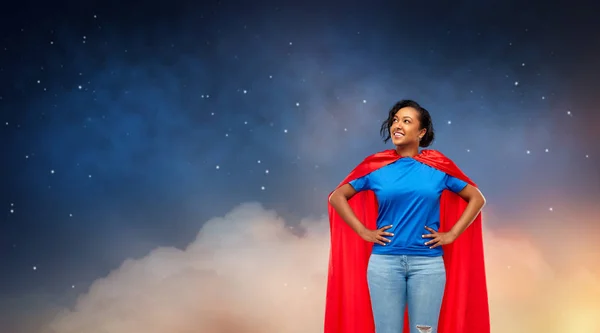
(392, 203)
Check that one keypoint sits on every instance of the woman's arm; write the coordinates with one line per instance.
(339, 201)
(476, 201)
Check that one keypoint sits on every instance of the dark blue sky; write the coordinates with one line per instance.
(124, 127)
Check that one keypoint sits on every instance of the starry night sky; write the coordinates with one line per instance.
(126, 127)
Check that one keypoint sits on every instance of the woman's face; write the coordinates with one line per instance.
(405, 127)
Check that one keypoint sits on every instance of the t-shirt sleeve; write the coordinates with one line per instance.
(454, 184)
(361, 184)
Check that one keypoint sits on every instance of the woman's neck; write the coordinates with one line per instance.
(407, 151)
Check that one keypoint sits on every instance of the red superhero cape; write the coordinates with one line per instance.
(348, 305)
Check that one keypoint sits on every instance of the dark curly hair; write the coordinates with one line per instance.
(424, 120)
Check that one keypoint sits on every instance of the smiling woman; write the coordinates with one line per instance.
(405, 205)
(408, 121)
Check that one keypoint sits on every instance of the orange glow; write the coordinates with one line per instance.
(262, 278)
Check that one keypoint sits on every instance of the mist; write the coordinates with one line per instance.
(249, 272)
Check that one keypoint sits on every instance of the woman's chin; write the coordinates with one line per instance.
(398, 141)
(402, 143)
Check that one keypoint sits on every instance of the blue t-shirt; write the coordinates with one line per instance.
(408, 194)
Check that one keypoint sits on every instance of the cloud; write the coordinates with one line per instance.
(248, 272)
(532, 289)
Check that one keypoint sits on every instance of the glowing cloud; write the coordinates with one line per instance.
(248, 273)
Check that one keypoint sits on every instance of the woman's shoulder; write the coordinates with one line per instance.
(432, 153)
(384, 154)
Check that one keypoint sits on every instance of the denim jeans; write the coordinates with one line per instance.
(396, 281)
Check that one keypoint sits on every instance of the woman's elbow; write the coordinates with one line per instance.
(480, 199)
(342, 193)
(337, 196)
(474, 195)
(332, 196)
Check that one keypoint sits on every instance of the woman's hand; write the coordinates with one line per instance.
(377, 236)
(439, 238)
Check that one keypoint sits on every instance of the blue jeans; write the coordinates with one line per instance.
(397, 280)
